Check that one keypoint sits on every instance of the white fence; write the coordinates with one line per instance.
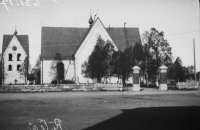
(187, 85)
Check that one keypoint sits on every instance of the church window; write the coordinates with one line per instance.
(10, 68)
(10, 57)
(18, 67)
(14, 48)
(18, 57)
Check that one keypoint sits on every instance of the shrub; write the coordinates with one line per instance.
(63, 82)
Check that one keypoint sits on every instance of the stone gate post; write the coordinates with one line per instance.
(136, 84)
(163, 78)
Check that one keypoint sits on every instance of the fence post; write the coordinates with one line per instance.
(136, 84)
(163, 78)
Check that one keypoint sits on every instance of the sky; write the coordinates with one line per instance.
(178, 19)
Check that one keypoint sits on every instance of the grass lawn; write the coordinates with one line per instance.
(101, 110)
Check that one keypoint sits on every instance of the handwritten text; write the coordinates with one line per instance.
(40, 124)
(19, 2)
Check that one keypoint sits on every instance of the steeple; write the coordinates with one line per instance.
(91, 21)
(15, 33)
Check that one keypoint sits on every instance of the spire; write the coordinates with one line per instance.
(91, 21)
(15, 33)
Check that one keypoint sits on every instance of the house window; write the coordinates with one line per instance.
(18, 67)
(10, 57)
(18, 57)
(10, 68)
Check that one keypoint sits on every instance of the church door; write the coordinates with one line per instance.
(60, 72)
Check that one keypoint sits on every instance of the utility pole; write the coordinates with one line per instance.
(146, 65)
(27, 66)
(194, 60)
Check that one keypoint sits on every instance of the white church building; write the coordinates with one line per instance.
(76, 44)
(15, 48)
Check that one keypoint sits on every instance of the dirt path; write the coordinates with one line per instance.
(102, 110)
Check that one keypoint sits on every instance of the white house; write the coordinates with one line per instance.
(15, 48)
(76, 44)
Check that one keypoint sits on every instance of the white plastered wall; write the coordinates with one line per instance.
(69, 70)
(87, 47)
(14, 74)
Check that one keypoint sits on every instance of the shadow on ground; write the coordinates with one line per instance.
(154, 118)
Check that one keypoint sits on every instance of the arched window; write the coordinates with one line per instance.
(18, 67)
(18, 57)
(9, 67)
(10, 57)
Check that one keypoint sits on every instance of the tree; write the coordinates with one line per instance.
(25, 68)
(119, 65)
(198, 76)
(191, 74)
(57, 71)
(179, 70)
(36, 71)
(3, 74)
(180, 73)
(171, 72)
(134, 56)
(31, 77)
(105, 61)
(86, 70)
(157, 52)
(123, 62)
(98, 64)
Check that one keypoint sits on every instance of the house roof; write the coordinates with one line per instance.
(23, 40)
(66, 40)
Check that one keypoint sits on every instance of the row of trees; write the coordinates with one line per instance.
(105, 61)
(180, 73)
(155, 51)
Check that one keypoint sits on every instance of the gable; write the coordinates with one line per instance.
(14, 42)
(23, 40)
(95, 31)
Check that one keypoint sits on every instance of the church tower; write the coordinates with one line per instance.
(15, 49)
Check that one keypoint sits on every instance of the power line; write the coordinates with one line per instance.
(182, 33)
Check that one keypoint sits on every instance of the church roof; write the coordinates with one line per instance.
(124, 37)
(23, 40)
(63, 40)
(66, 40)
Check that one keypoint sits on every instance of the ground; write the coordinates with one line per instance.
(102, 110)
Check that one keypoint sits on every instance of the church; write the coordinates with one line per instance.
(15, 49)
(76, 44)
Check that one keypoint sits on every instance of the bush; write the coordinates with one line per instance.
(63, 82)
(68, 82)
(129, 85)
